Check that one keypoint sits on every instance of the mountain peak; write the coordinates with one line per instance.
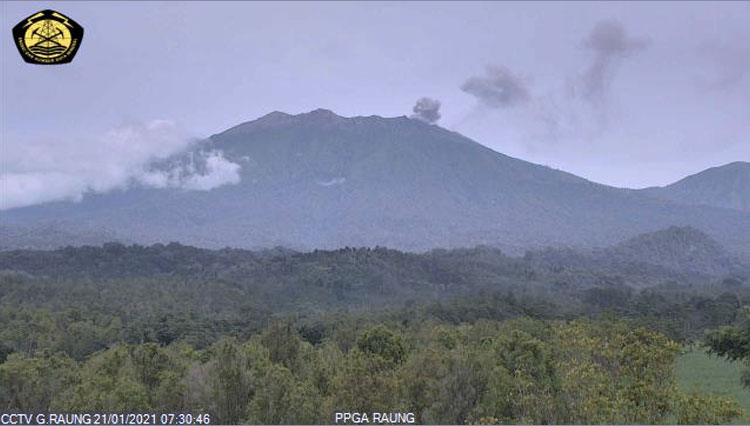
(275, 115)
(320, 116)
(320, 113)
(278, 118)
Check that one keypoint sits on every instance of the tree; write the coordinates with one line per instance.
(234, 374)
(365, 383)
(732, 342)
(524, 379)
(282, 342)
(384, 343)
(706, 409)
(458, 387)
(282, 399)
(108, 382)
(30, 384)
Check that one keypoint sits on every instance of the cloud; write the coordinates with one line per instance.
(198, 171)
(427, 109)
(53, 169)
(609, 43)
(498, 88)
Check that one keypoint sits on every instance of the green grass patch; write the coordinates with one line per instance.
(699, 371)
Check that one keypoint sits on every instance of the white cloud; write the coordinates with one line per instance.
(201, 171)
(39, 171)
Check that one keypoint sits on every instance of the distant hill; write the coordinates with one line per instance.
(318, 180)
(675, 252)
(677, 248)
(727, 186)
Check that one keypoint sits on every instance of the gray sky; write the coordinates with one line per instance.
(628, 94)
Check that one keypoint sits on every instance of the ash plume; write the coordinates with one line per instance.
(498, 88)
(609, 43)
(427, 110)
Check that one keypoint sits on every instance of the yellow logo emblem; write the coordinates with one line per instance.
(48, 38)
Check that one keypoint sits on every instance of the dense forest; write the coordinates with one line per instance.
(278, 336)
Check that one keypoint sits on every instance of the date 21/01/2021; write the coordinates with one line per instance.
(104, 419)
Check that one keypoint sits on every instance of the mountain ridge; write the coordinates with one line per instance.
(726, 186)
(318, 180)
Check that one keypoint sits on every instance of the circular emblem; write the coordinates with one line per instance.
(48, 38)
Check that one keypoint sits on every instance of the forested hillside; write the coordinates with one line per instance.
(80, 300)
(676, 252)
(279, 336)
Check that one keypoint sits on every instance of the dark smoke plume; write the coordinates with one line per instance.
(609, 43)
(498, 88)
(427, 110)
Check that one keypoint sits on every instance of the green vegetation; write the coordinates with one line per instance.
(702, 372)
(732, 342)
(515, 371)
(720, 370)
(460, 336)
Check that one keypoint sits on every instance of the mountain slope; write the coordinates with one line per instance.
(727, 186)
(318, 180)
(51, 235)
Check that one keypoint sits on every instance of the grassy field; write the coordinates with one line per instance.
(697, 370)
